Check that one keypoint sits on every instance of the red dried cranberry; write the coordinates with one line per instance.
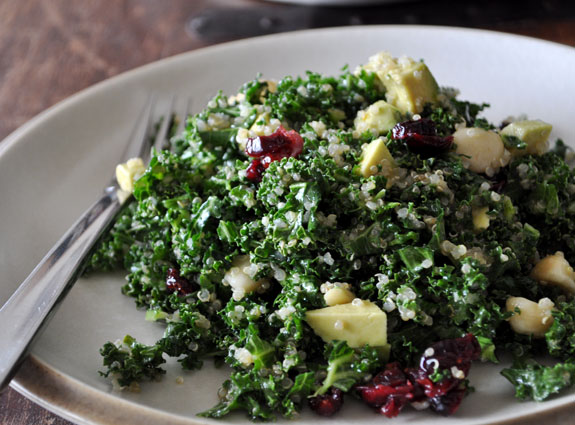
(394, 388)
(266, 149)
(421, 127)
(278, 145)
(177, 283)
(421, 137)
(434, 389)
(255, 171)
(389, 391)
(452, 355)
(392, 375)
(447, 404)
(393, 406)
(458, 352)
(327, 404)
(415, 374)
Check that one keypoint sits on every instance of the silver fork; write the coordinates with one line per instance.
(29, 308)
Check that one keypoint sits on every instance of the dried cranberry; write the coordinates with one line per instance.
(421, 137)
(389, 383)
(394, 388)
(434, 389)
(177, 283)
(458, 352)
(278, 145)
(327, 404)
(447, 404)
(266, 149)
(415, 374)
(421, 127)
(382, 395)
(392, 375)
(451, 355)
(389, 391)
(255, 171)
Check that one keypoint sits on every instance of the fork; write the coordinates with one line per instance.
(32, 304)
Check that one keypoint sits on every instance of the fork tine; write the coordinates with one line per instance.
(137, 147)
(183, 117)
(162, 136)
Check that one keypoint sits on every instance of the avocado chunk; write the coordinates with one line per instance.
(358, 323)
(480, 218)
(534, 133)
(378, 118)
(376, 154)
(409, 84)
(410, 88)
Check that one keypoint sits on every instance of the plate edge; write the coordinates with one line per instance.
(26, 386)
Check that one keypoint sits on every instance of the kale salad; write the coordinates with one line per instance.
(367, 235)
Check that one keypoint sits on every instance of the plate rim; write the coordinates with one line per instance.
(37, 381)
(11, 138)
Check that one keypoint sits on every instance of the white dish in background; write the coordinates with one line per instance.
(55, 165)
(338, 2)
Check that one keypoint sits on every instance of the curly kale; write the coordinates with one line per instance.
(346, 366)
(406, 241)
(537, 382)
(446, 118)
(561, 335)
(542, 189)
(319, 98)
(131, 361)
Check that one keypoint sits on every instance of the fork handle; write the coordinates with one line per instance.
(33, 303)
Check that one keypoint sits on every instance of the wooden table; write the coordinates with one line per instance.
(50, 49)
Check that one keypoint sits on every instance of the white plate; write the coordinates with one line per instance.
(338, 2)
(54, 166)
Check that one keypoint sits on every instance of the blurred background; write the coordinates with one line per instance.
(50, 49)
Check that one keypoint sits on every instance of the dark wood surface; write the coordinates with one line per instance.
(50, 49)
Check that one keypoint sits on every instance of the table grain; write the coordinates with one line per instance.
(50, 49)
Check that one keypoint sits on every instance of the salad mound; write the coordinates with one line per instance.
(367, 235)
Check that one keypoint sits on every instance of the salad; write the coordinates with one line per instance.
(367, 235)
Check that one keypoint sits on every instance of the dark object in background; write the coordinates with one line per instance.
(224, 23)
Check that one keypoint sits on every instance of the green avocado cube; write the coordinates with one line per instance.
(358, 323)
(534, 133)
(410, 86)
(376, 154)
(378, 118)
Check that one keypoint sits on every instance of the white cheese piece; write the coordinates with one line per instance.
(128, 172)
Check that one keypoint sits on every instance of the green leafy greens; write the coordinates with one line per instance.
(407, 244)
